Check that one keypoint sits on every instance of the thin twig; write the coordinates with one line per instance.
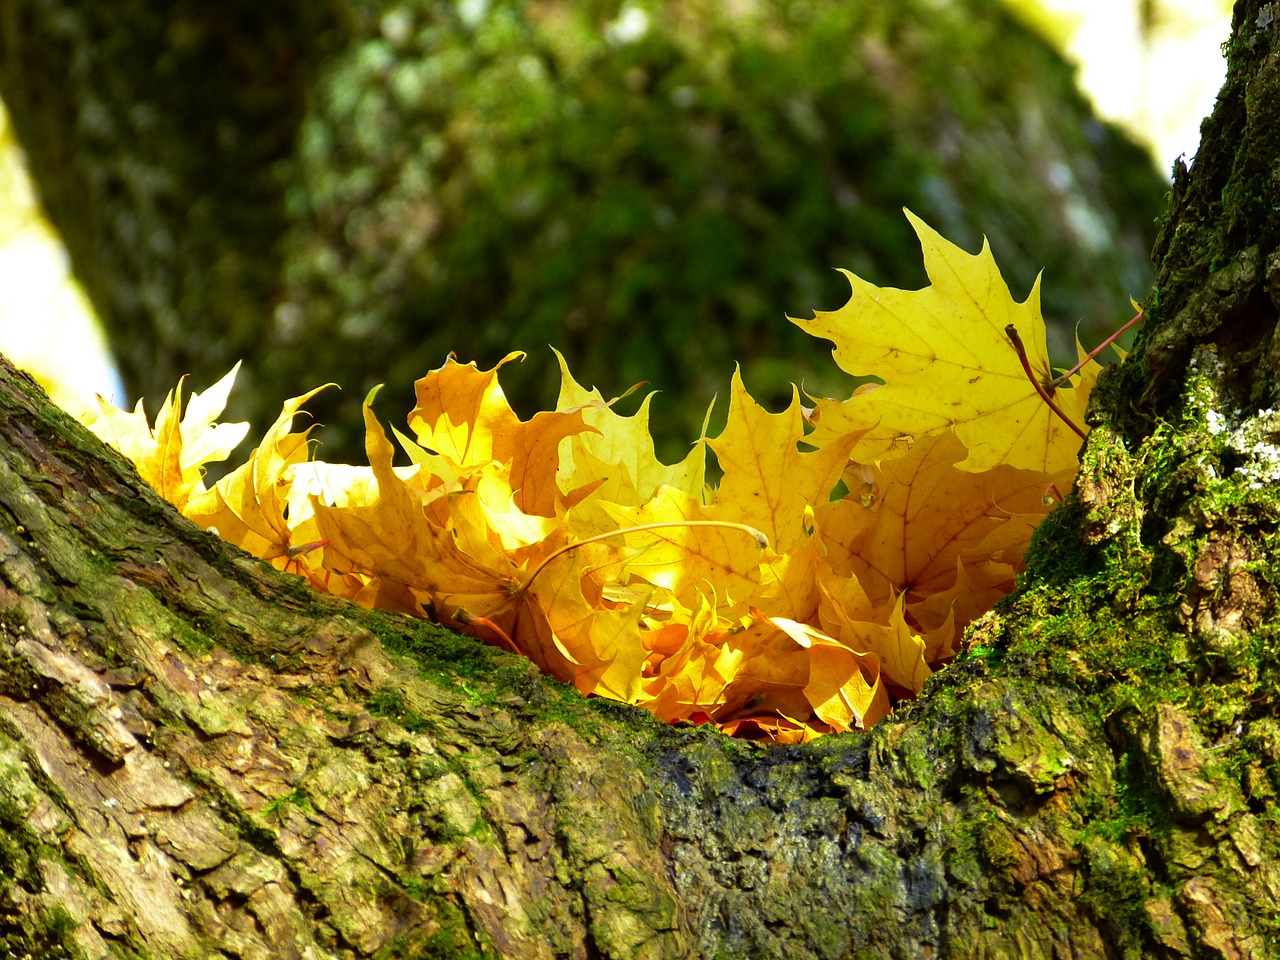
(761, 540)
(1012, 332)
(1059, 381)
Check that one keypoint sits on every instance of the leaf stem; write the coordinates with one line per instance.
(761, 540)
(471, 622)
(1059, 381)
(294, 552)
(1012, 333)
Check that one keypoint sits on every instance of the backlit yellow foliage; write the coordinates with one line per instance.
(830, 572)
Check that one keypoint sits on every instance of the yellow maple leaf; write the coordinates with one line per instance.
(460, 551)
(768, 481)
(463, 415)
(247, 507)
(390, 538)
(602, 644)
(788, 583)
(947, 363)
(618, 452)
(171, 457)
(687, 553)
(886, 634)
(772, 483)
(927, 514)
(830, 572)
(785, 668)
(204, 439)
(843, 686)
(682, 681)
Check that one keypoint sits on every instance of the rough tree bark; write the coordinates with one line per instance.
(199, 757)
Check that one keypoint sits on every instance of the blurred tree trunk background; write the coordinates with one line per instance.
(348, 190)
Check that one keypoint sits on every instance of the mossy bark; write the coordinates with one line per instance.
(199, 757)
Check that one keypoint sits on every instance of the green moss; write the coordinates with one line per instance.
(17, 679)
(259, 836)
(447, 658)
(485, 676)
(1182, 517)
(18, 862)
(390, 704)
(13, 621)
(1118, 885)
(42, 932)
(452, 937)
(297, 797)
(1135, 811)
(1099, 598)
(49, 935)
(919, 749)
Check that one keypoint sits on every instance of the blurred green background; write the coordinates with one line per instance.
(350, 190)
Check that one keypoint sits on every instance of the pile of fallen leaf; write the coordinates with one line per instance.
(832, 570)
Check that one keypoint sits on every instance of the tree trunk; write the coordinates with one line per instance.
(200, 757)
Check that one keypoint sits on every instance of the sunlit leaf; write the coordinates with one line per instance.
(829, 574)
